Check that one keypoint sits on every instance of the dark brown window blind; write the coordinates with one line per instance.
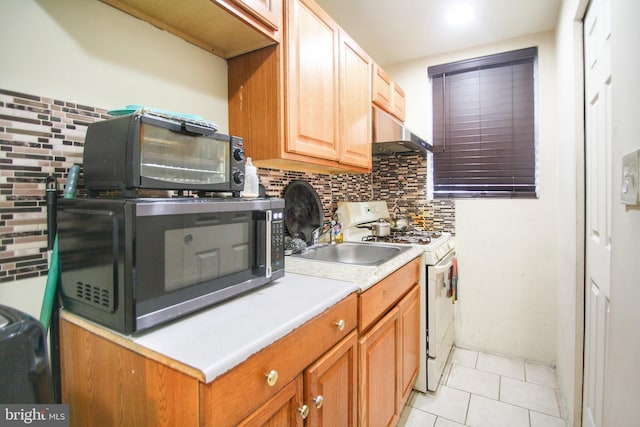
(484, 126)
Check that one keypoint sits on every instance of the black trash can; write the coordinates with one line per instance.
(24, 366)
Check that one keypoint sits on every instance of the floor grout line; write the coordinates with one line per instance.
(445, 383)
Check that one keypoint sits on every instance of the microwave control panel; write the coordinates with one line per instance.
(277, 240)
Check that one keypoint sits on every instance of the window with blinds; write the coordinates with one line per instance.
(484, 126)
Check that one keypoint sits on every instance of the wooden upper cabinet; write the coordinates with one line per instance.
(268, 12)
(387, 94)
(226, 28)
(398, 102)
(382, 91)
(311, 81)
(355, 104)
(304, 104)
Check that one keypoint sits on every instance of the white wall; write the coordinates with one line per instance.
(570, 149)
(507, 248)
(622, 378)
(86, 52)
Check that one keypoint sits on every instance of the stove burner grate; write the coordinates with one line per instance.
(409, 237)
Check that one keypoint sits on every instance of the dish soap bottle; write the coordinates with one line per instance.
(251, 180)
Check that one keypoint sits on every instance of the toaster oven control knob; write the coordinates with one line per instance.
(272, 378)
(238, 155)
(238, 177)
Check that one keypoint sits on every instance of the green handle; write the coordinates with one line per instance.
(53, 277)
(50, 289)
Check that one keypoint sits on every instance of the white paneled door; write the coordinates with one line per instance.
(598, 84)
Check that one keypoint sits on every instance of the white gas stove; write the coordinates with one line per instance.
(354, 216)
(437, 290)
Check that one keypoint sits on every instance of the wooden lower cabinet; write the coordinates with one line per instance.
(284, 409)
(353, 364)
(409, 341)
(324, 395)
(379, 372)
(330, 386)
(109, 380)
(389, 347)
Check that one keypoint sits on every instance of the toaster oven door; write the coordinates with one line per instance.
(169, 154)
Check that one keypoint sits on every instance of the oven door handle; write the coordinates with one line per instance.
(444, 267)
(445, 264)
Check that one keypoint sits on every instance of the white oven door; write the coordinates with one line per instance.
(440, 319)
(440, 307)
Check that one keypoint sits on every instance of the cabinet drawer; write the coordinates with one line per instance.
(375, 301)
(237, 393)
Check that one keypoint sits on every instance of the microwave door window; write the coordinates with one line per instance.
(171, 156)
(196, 255)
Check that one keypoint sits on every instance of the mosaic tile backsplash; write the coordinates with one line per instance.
(42, 136)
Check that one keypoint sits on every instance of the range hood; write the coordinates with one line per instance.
(392, 137)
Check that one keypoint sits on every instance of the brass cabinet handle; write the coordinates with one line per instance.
(272, 378)
(304, 411)
(340, 324)
(318, 401)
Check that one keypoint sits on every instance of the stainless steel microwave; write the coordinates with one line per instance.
(133, 264)
(145, 150)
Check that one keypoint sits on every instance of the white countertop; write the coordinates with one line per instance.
(218, 339)
(362, 276)
(215, 340)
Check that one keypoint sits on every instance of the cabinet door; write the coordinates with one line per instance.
(382, 91)
(355, 104)
(311, 79)
(330, 386)
(379, 402)
(410, 341)
(269, 12)
(282, 410)
(105, 383)
(398, 102)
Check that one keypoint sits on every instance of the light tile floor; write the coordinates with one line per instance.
(486, 390)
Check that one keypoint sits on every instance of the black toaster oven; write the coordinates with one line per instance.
(147, 150)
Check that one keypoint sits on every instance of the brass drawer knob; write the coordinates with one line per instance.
(272, 378)
(340, 324)
(304, 411)
(318, 401)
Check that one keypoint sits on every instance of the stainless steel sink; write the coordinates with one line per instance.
(353, 253)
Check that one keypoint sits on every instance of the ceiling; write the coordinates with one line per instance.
(394, 31)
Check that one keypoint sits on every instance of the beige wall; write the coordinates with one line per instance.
(87, 52)
(507, 248)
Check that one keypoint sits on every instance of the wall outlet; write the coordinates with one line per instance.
(630, 178)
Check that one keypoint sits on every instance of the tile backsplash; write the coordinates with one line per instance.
(42, 136)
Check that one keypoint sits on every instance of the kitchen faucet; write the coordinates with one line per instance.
(318, 233)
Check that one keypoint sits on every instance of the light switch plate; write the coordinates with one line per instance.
(630, 178)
